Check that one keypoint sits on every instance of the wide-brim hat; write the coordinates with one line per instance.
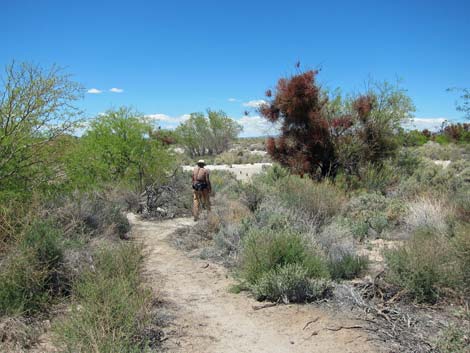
(201, 161)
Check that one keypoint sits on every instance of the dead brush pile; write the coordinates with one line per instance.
(404, 325)
(92, 214)
(169, 199)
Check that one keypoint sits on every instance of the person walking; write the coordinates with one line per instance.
(201, 188)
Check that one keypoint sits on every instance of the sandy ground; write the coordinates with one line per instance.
(205, 317)
(241, 171)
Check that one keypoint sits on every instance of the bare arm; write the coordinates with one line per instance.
(208, 181)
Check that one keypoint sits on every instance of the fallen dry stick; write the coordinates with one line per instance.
(259, 307)
(343, 327)
(310, 322)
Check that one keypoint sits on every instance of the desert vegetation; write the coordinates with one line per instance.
(355, 209)
(63, 250)
(348, 178)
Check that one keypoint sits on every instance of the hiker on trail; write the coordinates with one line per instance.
(201, 188)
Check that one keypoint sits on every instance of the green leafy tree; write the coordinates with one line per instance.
(36, 109)
(201, 135)
(118, 147)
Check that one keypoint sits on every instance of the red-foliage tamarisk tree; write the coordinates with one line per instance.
(317, 140)
(305, 144)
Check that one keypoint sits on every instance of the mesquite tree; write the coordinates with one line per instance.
(37, 108)
(201, 135)
(319, 135)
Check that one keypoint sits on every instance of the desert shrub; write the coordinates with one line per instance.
(454, 339)
(240, 157)
(337, 242)
(109, 305)
(436, 151)
(429, 214)
(228, 158)
(19, 334)
(252, 194)
(424, 266)
(433, 179)
(317, 200)
(371, 214)
(407, 161)
(31, 275)
(461, 242)
(23, 287)
(228, 240)
(224, 182)
(89, 214)
(376, 178)
(290, 283)
(348, 266)
(272, 175)
(264, 250)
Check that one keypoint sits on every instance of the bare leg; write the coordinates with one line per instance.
(196, 201)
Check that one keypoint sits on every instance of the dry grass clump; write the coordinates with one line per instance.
(89, 214)
(319, 201)
(427, 213)
(32, 274)
(338, 243)
(436, 151)
(425, 266)
(110, 305)
(455, 339)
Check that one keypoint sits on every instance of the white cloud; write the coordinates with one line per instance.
(168, 121)
(233, 100)
(254, 103)
(432, 124)
(94, 91)
(257, 126)
(116, 90)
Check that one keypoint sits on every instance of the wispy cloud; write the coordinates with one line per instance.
(425, 123)
(94, 91)
(257, 126)
(233, 100)
(254, 103)
(116, 90)
(168, 121)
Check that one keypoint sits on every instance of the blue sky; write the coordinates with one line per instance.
(173, 58)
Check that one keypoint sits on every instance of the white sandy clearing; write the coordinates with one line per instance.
(241, 171)
(443, 164)
(205, 317)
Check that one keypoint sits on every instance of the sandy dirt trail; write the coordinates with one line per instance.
(205, 317)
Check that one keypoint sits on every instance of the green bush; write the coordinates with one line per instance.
(110, 304)
(31, 275)
(376, 178)
(290, 283)
(441, 150)
(316, 200)
(348, 266)
(223, 181)
(425, 265)
(272, 175)
(369, 213)
(455, 339)
(265, 250)
(461, 243)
